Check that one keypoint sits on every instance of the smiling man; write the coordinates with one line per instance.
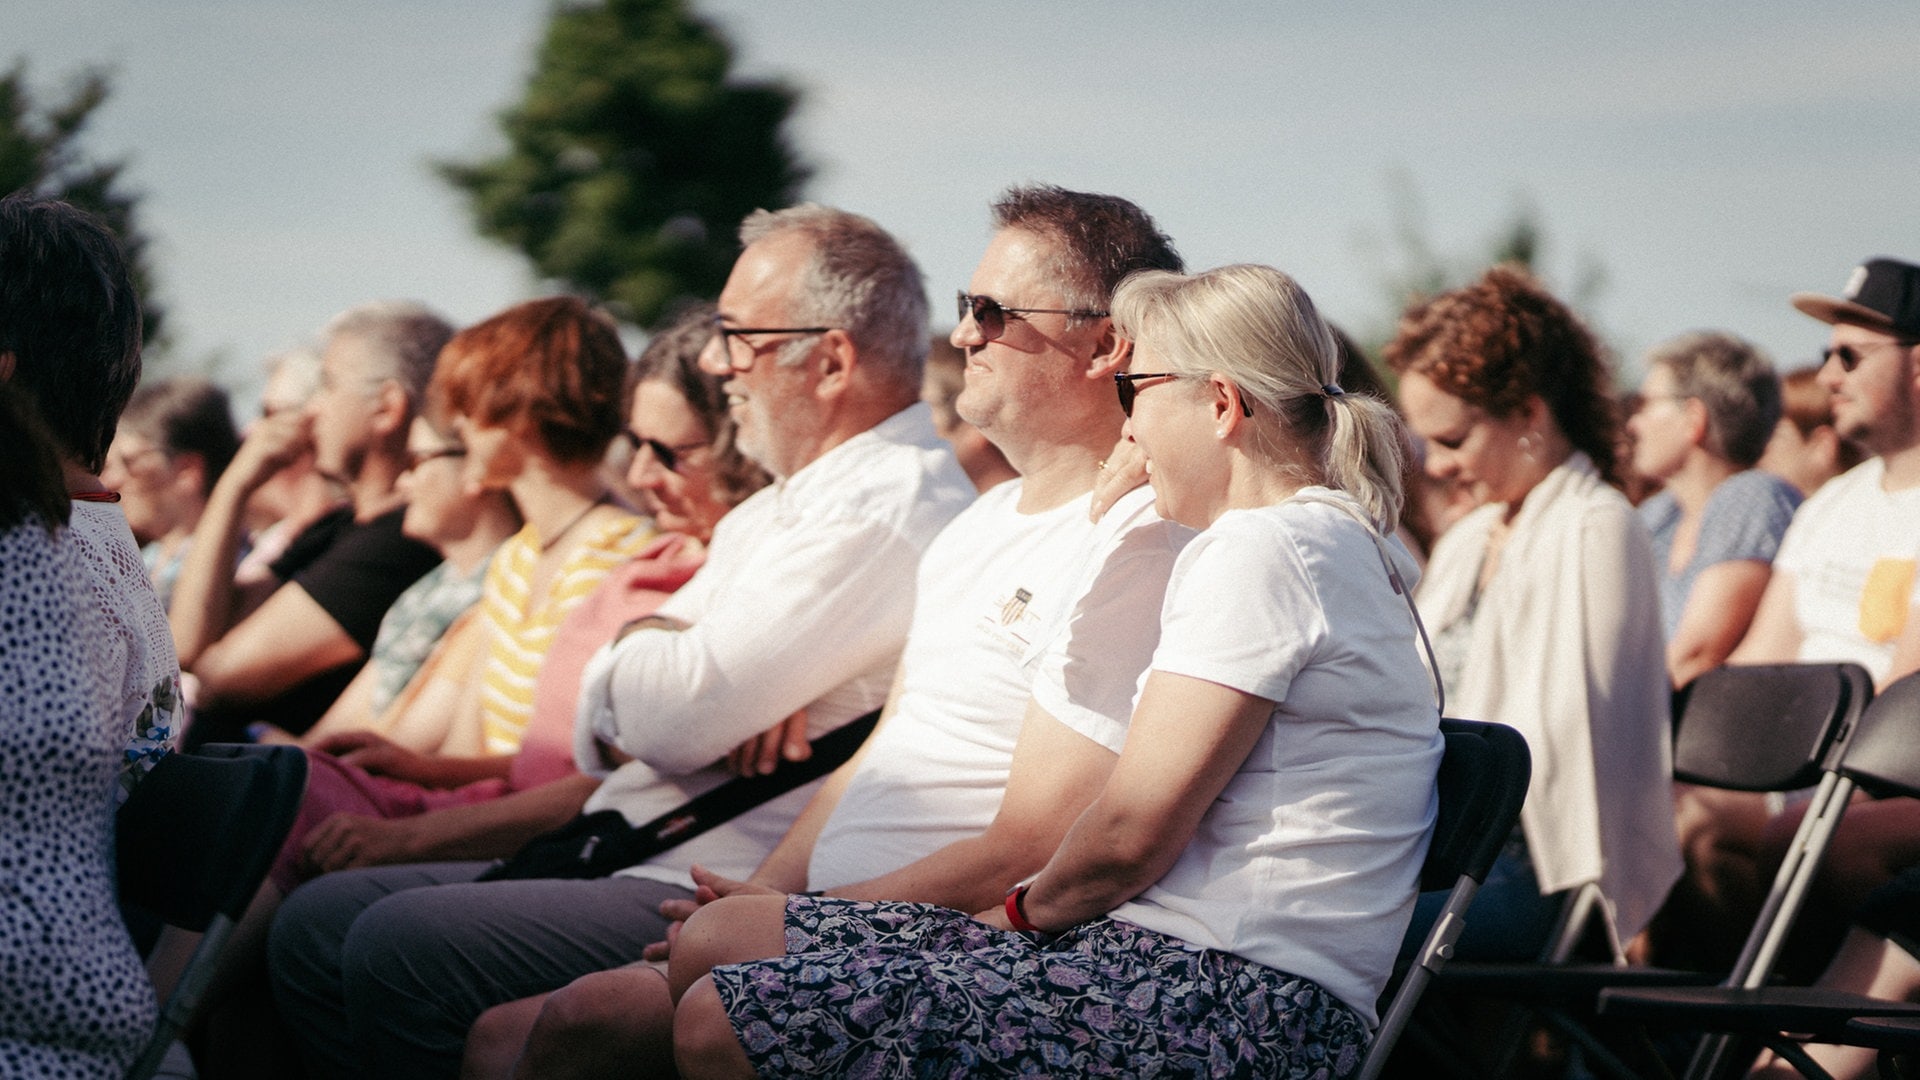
(802, 604)
(1016, 685)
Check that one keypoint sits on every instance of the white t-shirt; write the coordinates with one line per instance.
(804, 601)
(1309, 860)
(136, 644)
(998, 590)
(1851, 551)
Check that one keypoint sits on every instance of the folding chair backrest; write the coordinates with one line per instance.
(1884, 757)
(194, 841)
(1482, 782)
(1770, 727)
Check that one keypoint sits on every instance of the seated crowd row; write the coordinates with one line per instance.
(1153, 766)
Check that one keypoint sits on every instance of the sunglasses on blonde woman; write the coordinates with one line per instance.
(1123, 383)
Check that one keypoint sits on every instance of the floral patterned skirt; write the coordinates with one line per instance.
(890, 989)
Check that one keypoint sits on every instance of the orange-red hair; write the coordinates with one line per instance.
(551, 371)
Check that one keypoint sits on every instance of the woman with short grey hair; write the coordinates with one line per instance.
(1707, 408)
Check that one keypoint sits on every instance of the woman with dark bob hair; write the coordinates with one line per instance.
(1543, 602)
(1228, 905)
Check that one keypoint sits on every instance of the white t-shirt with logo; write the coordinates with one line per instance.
(1003, 598)
(1851, 551)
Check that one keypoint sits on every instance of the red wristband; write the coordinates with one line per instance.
(1017, 912)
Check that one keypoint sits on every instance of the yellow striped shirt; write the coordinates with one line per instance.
(521, 626)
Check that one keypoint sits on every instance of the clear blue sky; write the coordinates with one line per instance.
(1712, 158)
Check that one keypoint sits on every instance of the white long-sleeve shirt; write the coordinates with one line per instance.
(804, 601)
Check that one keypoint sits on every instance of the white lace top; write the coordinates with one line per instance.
(135, 640)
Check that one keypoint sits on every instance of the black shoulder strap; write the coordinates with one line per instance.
(743, 793)
(601, 843)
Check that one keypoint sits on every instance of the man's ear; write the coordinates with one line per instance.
(1111, 354)
(1696, 412)
(7, 363)
(834, 361)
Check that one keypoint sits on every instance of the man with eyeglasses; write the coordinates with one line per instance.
(1844, 578)
(280, 651)
(802, 606)
(1033, 626)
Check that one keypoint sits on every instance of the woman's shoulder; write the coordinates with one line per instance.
(1753, 489)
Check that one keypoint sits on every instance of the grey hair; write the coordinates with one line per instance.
(406, 335)
(299, 367)
(1735, 381)
(858, 279)
(1255, 327)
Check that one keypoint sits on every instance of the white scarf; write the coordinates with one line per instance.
(1566, 648)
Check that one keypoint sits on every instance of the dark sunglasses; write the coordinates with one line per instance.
(418, 458)
(1123, 382)
(667, 456)
(991, 315)
(1850, 356)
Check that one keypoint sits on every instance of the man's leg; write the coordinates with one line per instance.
(304, 949)
(420, 967)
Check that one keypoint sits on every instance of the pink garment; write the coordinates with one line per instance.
(631, 591)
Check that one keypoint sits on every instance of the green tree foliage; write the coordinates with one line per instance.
(40, 152)
(632, 157)
(1410, 268)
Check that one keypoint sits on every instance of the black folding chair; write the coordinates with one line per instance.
(194, 841)
(1483, 780)
(1762, 728)
(1882, 759)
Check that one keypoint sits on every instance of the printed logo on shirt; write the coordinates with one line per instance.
(1011, 619)
(1884, 599)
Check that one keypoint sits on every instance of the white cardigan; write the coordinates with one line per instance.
(1566, 647)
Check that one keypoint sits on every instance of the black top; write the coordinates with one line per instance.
(354, 571)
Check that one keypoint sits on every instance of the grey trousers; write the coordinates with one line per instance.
(380, 972)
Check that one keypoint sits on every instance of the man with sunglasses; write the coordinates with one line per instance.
(1032, 629)
(802, 605)
(1844, 578)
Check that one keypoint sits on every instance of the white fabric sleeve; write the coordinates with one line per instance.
(833, 602)
(1088, 676)
(1243, 611)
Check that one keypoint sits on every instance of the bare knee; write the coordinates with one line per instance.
(704, 1044)
(495, 1040)
(617, 1023)
(728, 931)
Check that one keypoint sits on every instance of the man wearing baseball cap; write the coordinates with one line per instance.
(1842, 589)
(1844, 579)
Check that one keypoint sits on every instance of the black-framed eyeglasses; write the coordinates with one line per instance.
(991, 315)
(417, 458)
(1850, 356)
(1123, 382)
(667, 456)
(741, 360)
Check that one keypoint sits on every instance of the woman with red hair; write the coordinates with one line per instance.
(1543, 603)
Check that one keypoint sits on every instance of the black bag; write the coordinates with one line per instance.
(597, 844)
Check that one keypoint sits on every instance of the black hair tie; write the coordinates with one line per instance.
(1332, 390)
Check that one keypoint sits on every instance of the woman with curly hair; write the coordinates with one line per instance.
(1543, 603)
